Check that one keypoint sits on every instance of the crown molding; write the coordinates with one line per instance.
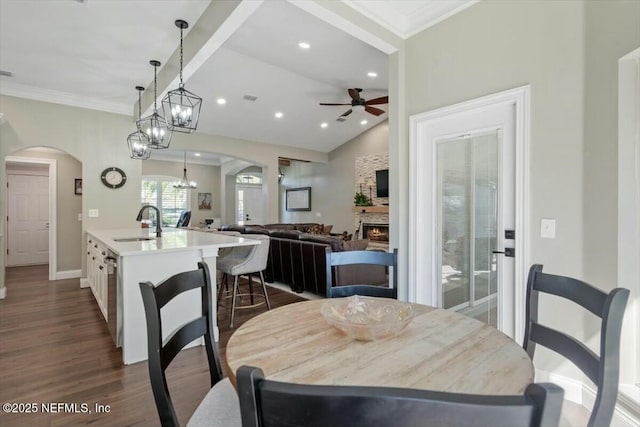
(64, 98)
(408, 23)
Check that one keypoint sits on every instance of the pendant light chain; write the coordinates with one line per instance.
(155, 87)
(181, 83)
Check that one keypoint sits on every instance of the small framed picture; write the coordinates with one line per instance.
(298, 199)
(204, 201)
(77, 188)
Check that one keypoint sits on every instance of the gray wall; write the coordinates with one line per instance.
(612, 31)
(69, 205)
(88, 136)
(332, 184)
(554, 47)
(206, 177)
(98, 140)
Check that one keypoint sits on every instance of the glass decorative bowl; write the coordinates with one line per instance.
(366, 318)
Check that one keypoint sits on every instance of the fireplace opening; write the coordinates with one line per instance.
(375, 232)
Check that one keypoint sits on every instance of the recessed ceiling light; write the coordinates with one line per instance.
(221, 101)
(279, 115)
(363, 122)
(324, 125)
(372, 74)
(304, 45)
(196, 154)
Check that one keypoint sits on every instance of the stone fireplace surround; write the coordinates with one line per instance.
(365, 174)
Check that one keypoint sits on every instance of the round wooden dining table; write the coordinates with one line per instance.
(439, 350)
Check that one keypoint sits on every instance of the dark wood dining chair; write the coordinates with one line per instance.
(265, 403)
(372, 258)
(220, 406)
(602, 369)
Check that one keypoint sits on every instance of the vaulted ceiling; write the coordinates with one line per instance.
(92, 53)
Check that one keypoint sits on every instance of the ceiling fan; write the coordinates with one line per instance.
(361, 104)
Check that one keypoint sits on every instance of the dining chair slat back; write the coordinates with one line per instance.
(388, 259)
(602, 369)
(220, 407)
(265, 403)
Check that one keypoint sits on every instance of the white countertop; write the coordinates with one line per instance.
(172, 240)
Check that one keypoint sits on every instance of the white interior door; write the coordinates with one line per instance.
(465, 199)
(249, 204)
(28, 220)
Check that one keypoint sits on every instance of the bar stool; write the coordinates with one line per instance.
(245, 261)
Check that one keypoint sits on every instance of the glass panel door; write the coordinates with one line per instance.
(467, 223)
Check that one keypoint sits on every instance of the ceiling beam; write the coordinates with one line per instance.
(216, 24)
(352, 22)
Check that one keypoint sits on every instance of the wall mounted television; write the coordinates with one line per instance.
(382, 183)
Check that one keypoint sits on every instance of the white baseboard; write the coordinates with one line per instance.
(3, 292)
(627, 412)
(84, 282)
(68, 274)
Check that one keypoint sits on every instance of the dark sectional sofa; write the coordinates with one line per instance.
(298, 258)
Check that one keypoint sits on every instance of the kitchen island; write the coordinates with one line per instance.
(118, 260)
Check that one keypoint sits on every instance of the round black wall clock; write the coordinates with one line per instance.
(113, 177)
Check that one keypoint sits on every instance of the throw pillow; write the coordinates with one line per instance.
(355, 245)
(327, 229)
(316, 229)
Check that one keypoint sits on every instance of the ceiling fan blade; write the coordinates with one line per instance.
(373, 110)
(354, 94)
(376, 101)
(324, 103)
(346, 113)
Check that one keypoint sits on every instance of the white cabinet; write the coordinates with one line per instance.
(97, 272)
(142, 257)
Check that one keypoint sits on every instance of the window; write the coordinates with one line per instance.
(159, 192)
(249, 178)
(240, 210)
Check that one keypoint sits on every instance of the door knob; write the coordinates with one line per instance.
(510, 252)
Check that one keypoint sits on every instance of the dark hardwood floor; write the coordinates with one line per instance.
(55, 348)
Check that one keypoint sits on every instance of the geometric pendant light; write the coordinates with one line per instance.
(138, 141)
(155, 126)
(184, 183)
(181, 107)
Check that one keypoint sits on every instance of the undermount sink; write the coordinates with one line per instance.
(133, 239)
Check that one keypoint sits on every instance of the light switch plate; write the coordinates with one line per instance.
(93, 213)
(318, 214)
(548, 228)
